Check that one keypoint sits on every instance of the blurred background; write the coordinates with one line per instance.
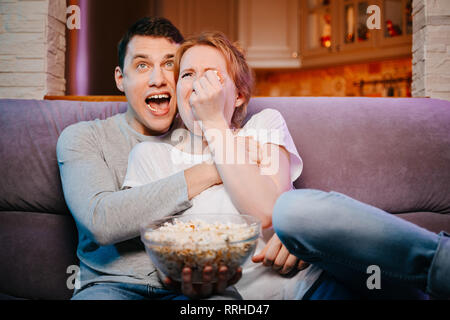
(296, 47)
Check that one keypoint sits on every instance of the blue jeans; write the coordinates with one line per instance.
(125, 291)
(128, 291)
(344, 237)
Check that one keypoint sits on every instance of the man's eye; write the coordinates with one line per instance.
(141, 66)
(169, 64)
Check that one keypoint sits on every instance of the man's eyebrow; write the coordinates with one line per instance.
(169, 56)
(144, 56)
(140, 56)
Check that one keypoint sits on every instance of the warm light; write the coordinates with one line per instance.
(327, 43)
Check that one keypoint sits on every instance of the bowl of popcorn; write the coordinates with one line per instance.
(199, 240)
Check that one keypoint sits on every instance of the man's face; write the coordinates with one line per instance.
(147, 79)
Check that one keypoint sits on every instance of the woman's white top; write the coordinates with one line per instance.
(149, 161)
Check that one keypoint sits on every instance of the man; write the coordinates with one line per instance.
(93, 156)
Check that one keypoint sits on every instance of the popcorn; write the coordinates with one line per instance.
(197, 243)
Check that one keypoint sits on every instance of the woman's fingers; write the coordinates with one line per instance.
(273, 247)
(260, 256)
(214, 77)
(302, 265)
(290, 263)
(206, 85)
(281, 258)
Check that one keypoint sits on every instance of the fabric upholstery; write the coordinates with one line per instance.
(391, 153)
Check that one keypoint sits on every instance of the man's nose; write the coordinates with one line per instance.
(157, 77)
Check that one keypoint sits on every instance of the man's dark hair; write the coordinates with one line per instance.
(148, 26)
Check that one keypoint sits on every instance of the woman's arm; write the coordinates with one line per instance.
(251, 191)
(253, 188)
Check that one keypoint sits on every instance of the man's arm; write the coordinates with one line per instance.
(110, 215)
(200, 178)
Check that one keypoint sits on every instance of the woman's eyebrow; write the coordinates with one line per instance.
(188, 69)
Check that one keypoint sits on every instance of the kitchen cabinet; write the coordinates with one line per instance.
(336, 32)
(194, 16)
(294, 34)
(269, 32)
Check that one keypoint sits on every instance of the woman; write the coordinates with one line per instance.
(213, 89)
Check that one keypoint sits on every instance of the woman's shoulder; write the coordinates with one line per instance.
(266, 118)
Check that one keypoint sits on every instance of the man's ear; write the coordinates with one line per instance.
(118, 75)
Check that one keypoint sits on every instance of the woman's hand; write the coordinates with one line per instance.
(276, 255)
(207, 288)
(208, 99)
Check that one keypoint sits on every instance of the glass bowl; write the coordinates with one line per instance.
(199, 240)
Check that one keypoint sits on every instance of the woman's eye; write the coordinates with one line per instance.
(187, 74)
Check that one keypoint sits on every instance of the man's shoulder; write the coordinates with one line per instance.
(85, 131)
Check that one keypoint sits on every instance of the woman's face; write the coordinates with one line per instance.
(193, 65)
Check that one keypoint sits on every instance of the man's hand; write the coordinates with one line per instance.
(207, 288)
(276, 255)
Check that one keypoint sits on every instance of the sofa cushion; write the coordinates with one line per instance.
(389, 152)
(30, 130)
(36, 250)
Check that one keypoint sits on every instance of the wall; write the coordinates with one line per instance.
(339, 81)
(431, 49)
(92, 50)
(32, 48)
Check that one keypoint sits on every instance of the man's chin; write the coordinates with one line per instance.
(159, 126)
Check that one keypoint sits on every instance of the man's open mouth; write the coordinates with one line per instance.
(158, 103)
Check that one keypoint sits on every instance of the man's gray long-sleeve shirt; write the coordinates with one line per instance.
(92, 158)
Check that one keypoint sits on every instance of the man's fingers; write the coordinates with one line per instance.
(222, 279)
(207, 287)
(186, 283)
(172, 284)
(236, 277)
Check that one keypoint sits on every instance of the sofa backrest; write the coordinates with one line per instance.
(391, 153)
(30, 130)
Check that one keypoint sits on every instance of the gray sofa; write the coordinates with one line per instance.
(390, 153)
